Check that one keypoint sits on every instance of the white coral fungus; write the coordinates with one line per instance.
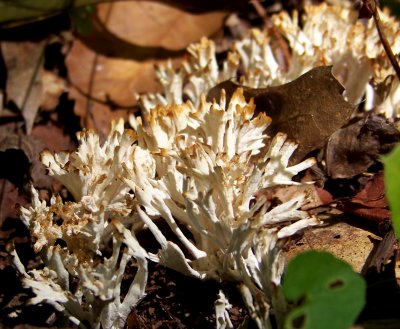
(208, 164)
(329, 35)
(77, 240)
(197, 169)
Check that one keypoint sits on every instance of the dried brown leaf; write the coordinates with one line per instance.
(29, 86)
(24, 85)
(203, 6)
(133, 36)
(351, 150)
(52, 88)
(308, 109)
(96, 79)
(53, 137)
(8, 199)
(343, 240)
(21, 154)
(151, 24)
(284, 194)
(370, 203)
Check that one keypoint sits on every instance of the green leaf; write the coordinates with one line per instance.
(327, 293)
(82, 19)
(392, 185)
(21, 10)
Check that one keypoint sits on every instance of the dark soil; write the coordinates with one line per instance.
(172, 300)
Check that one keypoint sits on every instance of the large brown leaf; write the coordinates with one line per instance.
(116, 60)
(155, 30)
(308, 109)
(14, 13)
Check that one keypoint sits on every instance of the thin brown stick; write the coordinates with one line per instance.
(372, 7)
(259, 9)
(277, 37)
(113, 105)
(89, 103)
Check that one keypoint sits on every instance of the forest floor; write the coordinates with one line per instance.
(89, 78)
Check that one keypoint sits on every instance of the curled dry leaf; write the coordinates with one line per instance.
(370, 203)
(383, 253)
(29, 86)
(351, 150)
(24, 85)
(308, 109)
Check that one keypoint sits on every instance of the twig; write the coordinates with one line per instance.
(35, 73)
(89, 105)
(281, 44)
(259, 9)
(107, 102)
(372, 7)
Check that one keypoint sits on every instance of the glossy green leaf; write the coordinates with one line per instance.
(392, 185)
(326, 292)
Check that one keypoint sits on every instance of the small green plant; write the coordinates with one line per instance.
(392, 184)
(82, 18)
(22, 11)
(325, 292)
